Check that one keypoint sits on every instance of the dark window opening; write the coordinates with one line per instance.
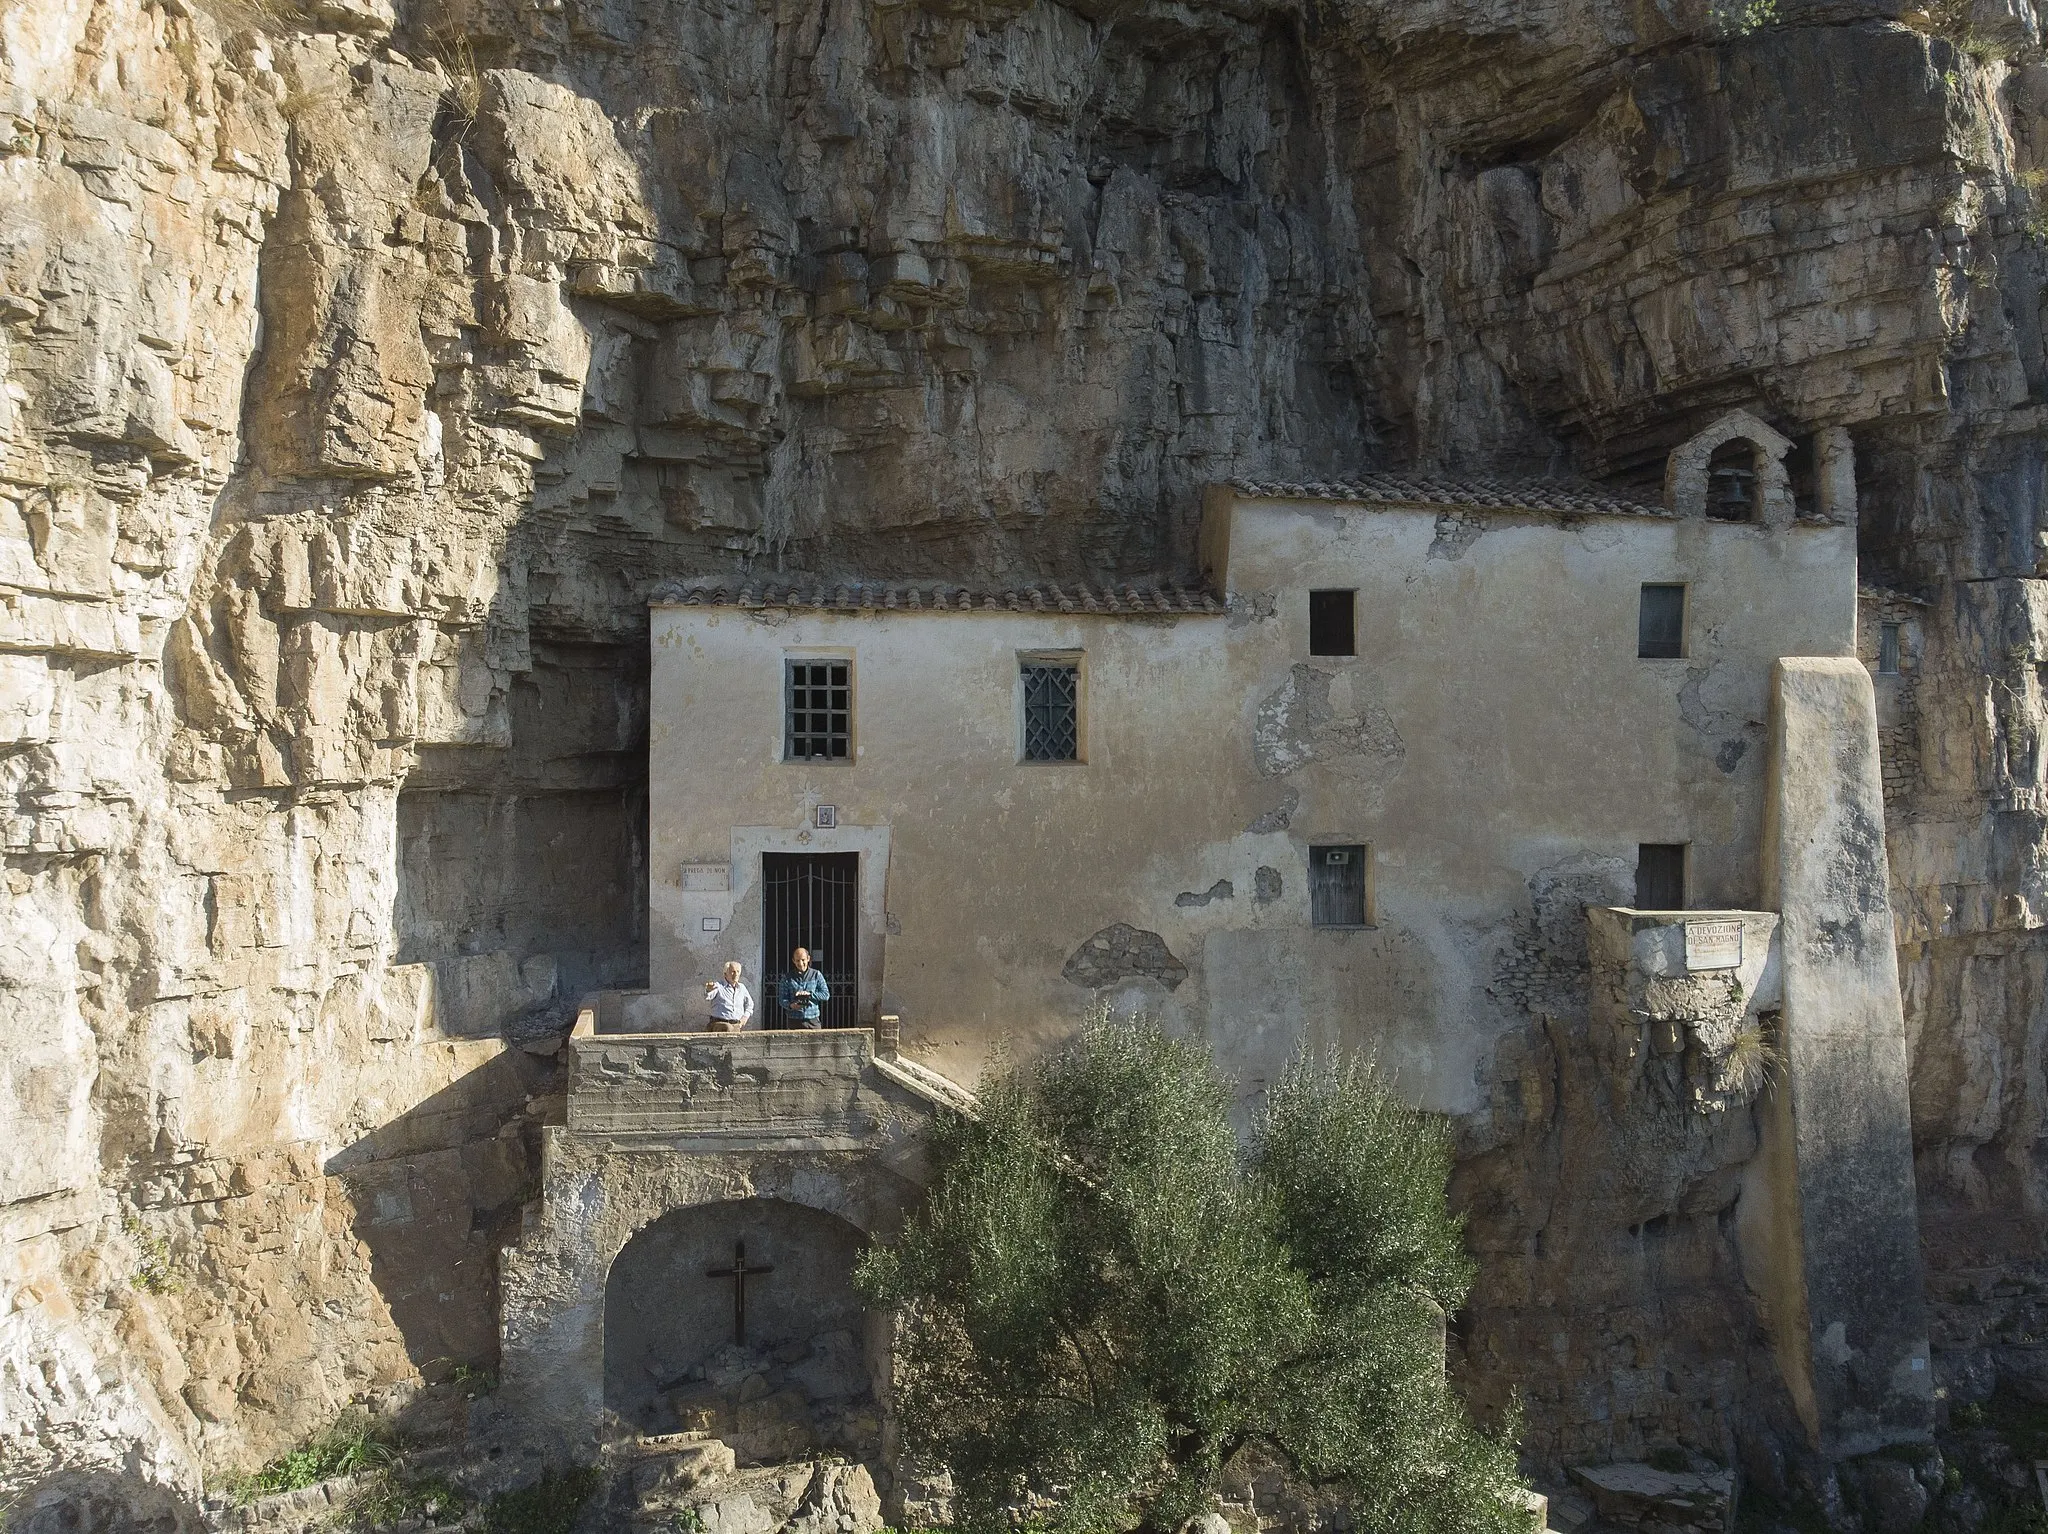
(1660, 625)
(1802, 476)
(1733, 485)
(1331, 617)
(1887, 649)
(1336, 886)
(819, 712)
(1660, 876)
(1052, 711)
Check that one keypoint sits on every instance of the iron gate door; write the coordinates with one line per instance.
(812, 901)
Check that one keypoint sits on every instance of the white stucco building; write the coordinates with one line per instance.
(1419, 764)
(1487, 724)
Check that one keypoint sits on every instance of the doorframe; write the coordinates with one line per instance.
(846, 986)
(871, 842)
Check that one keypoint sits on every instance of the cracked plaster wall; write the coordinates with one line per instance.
(354, 398)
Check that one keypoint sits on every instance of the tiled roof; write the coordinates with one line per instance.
(1128, 599)
(1445, 490)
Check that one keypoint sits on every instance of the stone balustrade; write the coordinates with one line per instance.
(787, 1084)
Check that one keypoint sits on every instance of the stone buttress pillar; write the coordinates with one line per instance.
(1841, 1239)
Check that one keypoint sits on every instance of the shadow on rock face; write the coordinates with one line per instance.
(101, 1502)
(434, 1190)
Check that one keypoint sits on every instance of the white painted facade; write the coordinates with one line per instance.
(1496, 743)
(1496, 747)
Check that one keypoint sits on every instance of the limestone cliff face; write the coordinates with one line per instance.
(365, 370)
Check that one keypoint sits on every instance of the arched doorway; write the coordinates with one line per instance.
(795, 1374)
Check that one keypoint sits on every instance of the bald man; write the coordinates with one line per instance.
(802, 989)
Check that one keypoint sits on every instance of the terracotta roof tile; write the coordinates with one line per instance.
(1137, 600)
(1445, 490)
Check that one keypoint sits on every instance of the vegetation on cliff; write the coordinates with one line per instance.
(1107, 1297)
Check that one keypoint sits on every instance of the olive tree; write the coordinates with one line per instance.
(1107, 1296)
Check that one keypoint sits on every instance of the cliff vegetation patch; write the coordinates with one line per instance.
(356, 1442)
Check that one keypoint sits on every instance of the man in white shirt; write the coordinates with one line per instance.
(732, 1005)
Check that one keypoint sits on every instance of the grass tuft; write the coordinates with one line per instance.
(1752, 1061)
(465, 91)
(392, 1496)
(356, 1442)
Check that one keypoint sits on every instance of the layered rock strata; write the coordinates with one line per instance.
(366, 368)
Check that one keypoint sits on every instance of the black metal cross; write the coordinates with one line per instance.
(739, 1272)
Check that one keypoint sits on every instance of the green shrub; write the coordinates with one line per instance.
(472, 1380)
(548, 1506)
(1739, 18)
(155, 1272)
(1104, 1298)
(356, 1442)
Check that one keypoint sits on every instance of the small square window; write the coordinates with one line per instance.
(1660, 624)
(1336, 885)
(1660, 876)
(1887, 649)
(1332, 623)
(818, 710)
(1052, 710)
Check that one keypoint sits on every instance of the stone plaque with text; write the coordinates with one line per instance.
(1713, 945)
(706, 878)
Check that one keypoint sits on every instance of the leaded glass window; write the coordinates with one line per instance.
(1052, 711)
(819, 710)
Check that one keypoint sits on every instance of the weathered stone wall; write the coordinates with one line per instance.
(364, 370)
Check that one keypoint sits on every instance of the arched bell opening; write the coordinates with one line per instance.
(1735, 477)
(740, 1319)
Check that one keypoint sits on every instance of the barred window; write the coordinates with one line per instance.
(818, 710)
(1052, 710)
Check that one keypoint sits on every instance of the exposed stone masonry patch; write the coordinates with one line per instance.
(1455, 533)
(1122, 952)
(1296, 725)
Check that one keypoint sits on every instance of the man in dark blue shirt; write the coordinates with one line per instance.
(802, 989)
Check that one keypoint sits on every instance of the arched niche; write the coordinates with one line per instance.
(1735, 470)
(803, 1374)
